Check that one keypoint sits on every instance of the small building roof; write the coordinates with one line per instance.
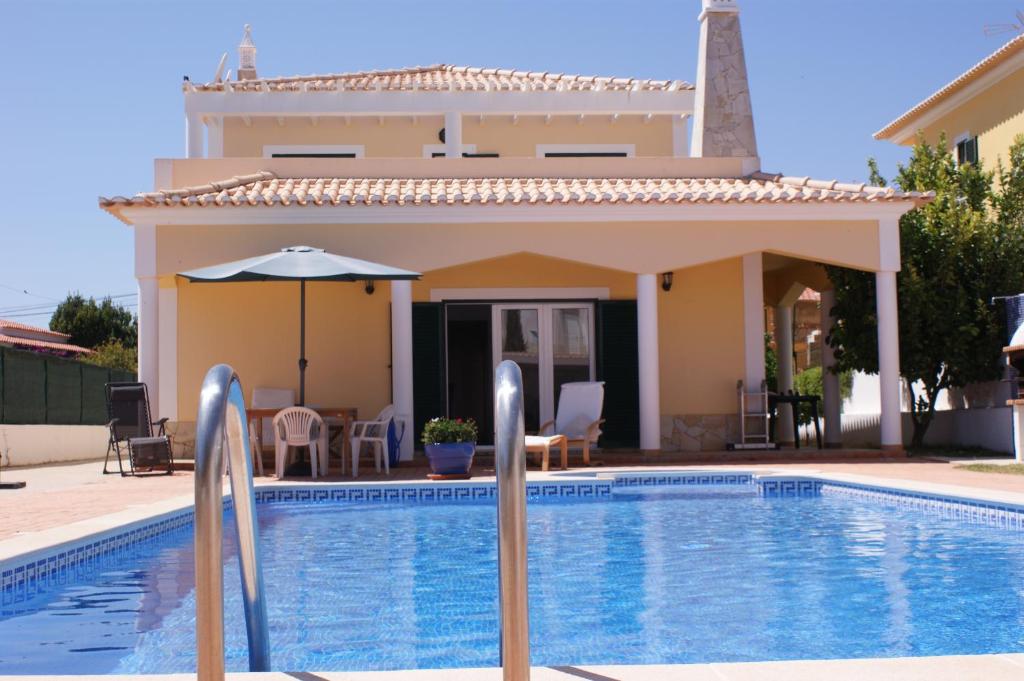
(266, 189)
(9, 325)
(441, 77)
(30, 337)
(957, 85)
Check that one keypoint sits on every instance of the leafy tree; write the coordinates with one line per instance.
(114, 355)
(92, 324)
(771, 365)
(957, 252)
(808, 382)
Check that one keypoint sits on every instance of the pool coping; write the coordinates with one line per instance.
(30, 546)
(998, 667)
(26, 548)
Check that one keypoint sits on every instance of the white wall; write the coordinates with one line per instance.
(988, 428)
(31, 445)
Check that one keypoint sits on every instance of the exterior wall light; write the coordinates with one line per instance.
(666, 281)
(369, 288)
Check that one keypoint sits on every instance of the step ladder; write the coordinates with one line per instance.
(754, 419)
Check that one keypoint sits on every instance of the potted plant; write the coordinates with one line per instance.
(450, 445)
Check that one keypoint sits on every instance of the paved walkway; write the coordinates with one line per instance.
(58, 495)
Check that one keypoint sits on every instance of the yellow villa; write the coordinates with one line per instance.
(580, 209)
(980, 112)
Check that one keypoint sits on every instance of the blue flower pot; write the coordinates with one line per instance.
(450, 458)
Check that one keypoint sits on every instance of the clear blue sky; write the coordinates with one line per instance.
(92, 90)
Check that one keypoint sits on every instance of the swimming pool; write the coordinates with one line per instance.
(621, 572)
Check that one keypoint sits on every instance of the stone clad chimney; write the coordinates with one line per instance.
(247, 56)
(723, 124)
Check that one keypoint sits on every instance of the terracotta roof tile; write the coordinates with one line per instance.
(963, 80)
(809, 294)
(42, 345)
(441, 77)
(8, 324)
(266, 189)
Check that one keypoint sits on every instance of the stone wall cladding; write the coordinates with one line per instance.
(728, 114)
(698, 432)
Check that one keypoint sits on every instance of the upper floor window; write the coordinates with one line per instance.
(967, 150)
(313, 151)
(585, 150)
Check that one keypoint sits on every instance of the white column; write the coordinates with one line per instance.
(647, 347)
(753, 321)
(167, 343)
(453, 134)
(215, 138)
(149, 334)
(193, 136)
(149, 306)
(680, 142)
(831, 397)
(889, 359)
(1018, 432)
(401, 362)
(784, 349)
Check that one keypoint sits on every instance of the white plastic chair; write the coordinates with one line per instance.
(376, 433)
(296, 427)
(580, 405)
(270, 398)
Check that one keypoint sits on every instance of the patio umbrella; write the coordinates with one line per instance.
(301, 264)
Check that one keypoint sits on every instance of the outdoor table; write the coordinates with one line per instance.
(345, 415)
(795, 399)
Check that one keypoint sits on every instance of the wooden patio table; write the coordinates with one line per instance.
(541, 444)
(346, 415)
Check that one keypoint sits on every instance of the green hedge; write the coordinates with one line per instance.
(41, 389)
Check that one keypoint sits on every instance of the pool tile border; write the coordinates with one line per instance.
(20, 576)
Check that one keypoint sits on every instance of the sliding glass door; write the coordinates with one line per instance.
(552, 343)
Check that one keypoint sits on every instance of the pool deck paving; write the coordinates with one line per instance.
(62, 502)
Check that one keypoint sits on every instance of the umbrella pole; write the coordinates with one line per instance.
(302, 342)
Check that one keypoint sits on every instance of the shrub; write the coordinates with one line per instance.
(114, 355)
(440, 430)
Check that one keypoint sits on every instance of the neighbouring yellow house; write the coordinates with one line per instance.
(575, 215)
(980, 112)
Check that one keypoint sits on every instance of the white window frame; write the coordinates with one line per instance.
(270, 149)
(544, 149)
(430, 149)
(962, 137)
(545, 353)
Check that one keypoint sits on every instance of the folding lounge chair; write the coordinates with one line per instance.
(131, 428)
(579, 416)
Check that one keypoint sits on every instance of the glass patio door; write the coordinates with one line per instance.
(552, 343)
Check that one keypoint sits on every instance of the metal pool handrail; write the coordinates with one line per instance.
(222, 419)
(510, 466)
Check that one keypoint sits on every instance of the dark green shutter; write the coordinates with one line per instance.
(428, 375)
(618, 367)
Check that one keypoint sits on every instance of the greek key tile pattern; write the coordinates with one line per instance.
(966, 510)
(789, 487)
(22, 580)
(684, 479)
(398, 494)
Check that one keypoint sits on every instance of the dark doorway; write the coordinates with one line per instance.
(470, 367)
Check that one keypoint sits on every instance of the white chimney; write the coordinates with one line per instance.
(723, 123)
(247, 56)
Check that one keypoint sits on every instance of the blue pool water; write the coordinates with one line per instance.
(683, 575)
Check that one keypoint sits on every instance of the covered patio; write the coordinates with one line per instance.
(676, 274)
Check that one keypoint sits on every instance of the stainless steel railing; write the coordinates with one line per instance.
(222, 419)
(510, 465)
